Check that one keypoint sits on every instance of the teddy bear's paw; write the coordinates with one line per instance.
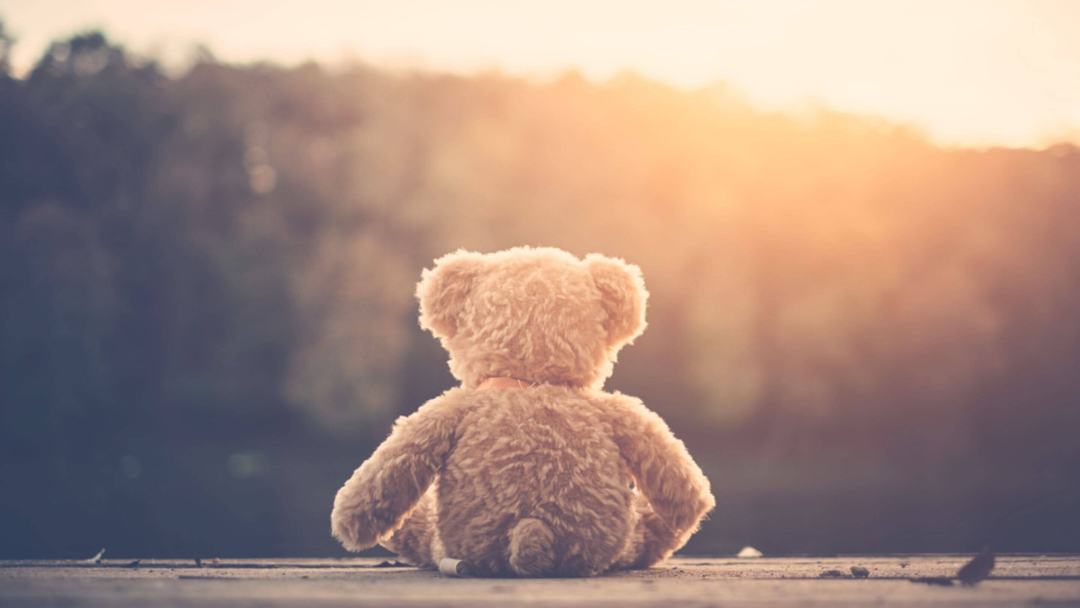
(349, 531)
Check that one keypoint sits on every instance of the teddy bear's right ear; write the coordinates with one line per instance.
(442, 291)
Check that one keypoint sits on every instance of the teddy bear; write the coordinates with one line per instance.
(528, 468)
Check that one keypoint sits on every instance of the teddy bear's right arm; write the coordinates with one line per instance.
(662, 468)
(385, 489)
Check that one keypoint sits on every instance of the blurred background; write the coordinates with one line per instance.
(860, 228)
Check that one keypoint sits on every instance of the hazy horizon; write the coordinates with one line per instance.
(966, 73)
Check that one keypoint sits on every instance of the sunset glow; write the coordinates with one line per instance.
(974, 73)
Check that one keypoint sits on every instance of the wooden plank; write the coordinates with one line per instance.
(692, 581)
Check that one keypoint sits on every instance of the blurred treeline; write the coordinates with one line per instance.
(871, 343)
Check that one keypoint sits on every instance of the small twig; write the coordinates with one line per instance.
(941, 581)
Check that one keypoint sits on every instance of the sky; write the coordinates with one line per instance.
(967, 72)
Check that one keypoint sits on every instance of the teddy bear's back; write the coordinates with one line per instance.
(545, 452)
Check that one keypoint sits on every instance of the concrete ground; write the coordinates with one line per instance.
(1018, 580)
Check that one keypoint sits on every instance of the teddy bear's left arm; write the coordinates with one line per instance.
(385, 489)
(663, 469)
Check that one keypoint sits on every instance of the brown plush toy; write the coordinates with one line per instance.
(528, 468)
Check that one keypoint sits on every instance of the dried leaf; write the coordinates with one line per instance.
(977, 569)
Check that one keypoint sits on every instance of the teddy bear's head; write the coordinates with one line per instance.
(535, 314)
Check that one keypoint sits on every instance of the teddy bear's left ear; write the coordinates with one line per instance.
(623, 294)
(442, 291)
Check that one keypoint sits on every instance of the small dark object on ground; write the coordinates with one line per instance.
(941, 581)
(393, 564)
(977, 569)
(859, 572)
(831, 574)
(134, 564)
(198, 562)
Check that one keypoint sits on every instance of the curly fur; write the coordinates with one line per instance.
(533, 479)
